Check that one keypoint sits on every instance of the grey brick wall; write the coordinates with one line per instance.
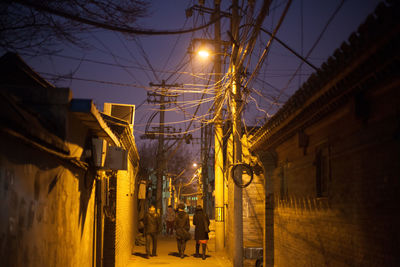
(355, 223)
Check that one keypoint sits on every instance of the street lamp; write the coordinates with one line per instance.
(203, 53)
(218, 151)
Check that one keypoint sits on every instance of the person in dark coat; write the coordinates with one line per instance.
(201, 223)
(182, 227)
(151, 229)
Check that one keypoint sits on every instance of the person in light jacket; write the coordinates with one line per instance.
(169, 220)
(201, 223)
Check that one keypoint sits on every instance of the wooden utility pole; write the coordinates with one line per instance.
(160, 151)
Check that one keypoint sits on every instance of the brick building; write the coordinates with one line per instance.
(121, 228)
(331, 157)
(57, 193)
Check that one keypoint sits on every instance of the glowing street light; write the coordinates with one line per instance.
(204, 54)
(194, 165)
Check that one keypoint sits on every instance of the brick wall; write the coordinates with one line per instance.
(120, 217)
(253, 214)
(109, 247)
(354, 222)
(120, 229)
(126, 222)
(252, 203)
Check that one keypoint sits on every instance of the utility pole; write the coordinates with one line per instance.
(160, 151)
(237, 145)
(218, 153)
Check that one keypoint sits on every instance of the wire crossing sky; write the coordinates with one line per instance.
(116, 67)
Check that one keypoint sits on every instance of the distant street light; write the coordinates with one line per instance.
(195, 165)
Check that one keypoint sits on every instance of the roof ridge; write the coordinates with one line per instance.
(376, 26)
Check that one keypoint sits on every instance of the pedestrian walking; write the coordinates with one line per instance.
(201, 223)
(182, 227)
(151, 229)
(169, 220)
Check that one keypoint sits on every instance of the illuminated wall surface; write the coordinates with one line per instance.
(253, 204)
(332, 160)
(121, 229)
(53, 210)
(47, 209)
(126, 219)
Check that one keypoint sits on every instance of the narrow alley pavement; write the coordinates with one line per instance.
(167, 252)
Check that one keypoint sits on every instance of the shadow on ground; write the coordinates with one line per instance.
(176, 254)
(143, 255)
(199, 256)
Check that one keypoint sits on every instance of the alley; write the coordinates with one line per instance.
(168, 256)
(270, 129)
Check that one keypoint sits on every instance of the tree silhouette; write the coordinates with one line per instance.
(179, 162)
(28, 24)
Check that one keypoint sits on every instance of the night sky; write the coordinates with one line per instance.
(117, 68)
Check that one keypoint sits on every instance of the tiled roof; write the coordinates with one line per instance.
(347, 67)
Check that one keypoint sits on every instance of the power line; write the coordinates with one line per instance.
(290, 49)
(109, 64)
(115, 58)
(146, 58)
(312, 48)
(265, 52)
(92, 80)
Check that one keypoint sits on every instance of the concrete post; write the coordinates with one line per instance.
(237, 145)
(218, 160)
(237, 195)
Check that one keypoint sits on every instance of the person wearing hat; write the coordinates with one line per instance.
(201, 222)
(182, 227)
(151, 229)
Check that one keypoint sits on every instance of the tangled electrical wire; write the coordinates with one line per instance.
(248, 170)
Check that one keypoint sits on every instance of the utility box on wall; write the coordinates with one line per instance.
(98, 151)
(116, 159)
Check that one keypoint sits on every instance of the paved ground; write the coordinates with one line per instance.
(168, 256)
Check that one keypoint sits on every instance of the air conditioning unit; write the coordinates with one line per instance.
(121, 111)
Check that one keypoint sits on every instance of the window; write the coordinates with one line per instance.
(322, 164)
(284, 181)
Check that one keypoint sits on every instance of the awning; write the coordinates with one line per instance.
(90, 116)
